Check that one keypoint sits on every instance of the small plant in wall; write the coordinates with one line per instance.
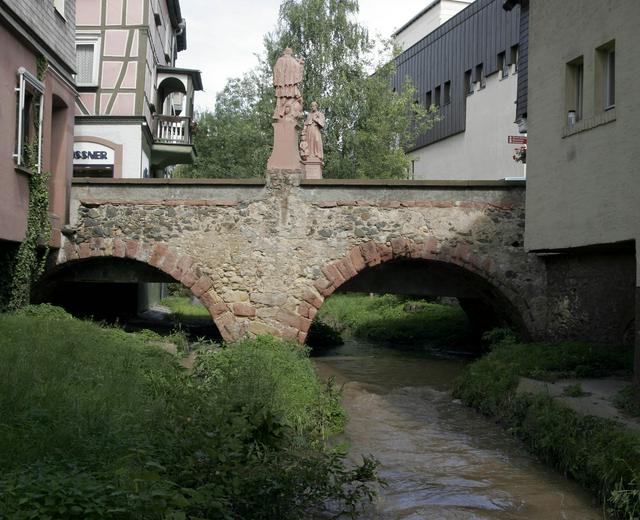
(520, 154)
(28, 263)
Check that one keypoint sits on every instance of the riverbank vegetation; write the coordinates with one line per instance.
(600, 454)
(394, 319)
(99, 423)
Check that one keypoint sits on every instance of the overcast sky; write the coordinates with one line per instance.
(224, 35)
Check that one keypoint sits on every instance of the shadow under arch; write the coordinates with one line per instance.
(422, 268)
(129, 260)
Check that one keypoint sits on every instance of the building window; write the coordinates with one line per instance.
(606, 76)
(427, 99)
(513, 58)
(87, 61)
(575, 90)
(436, 95)
(446, 93)
(59, 6)
(30, 108)
(480, 76)
(503, 66)
(468, 82)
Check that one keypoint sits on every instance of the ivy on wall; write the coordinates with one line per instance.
(28, 263)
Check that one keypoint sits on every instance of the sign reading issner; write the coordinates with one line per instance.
(93, 154)
(517, 139)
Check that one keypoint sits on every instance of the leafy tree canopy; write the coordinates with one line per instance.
(369, 124)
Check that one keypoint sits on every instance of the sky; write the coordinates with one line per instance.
(223, 36)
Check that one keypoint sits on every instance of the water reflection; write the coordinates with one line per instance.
(440, 459)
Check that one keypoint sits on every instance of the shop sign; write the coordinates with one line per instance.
(93, 154)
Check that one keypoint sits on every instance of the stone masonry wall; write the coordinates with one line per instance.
(263, 258)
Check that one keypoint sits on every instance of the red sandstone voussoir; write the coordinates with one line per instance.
(346, 268)
(357, 260)
(333, 275)
(385, 252)
(169, 263)
(70, 251)
(244, 310)
(190, 277)
(290, 333)
(302, 337)
(131, 248)
(203, 284)
(119, 248)
(312, 313)
(84, 251)
(158, 254)
(313, 298)
(303, 309)
(324, 286)
(462, 253)
(400, 247)
(370, 253)
(217, 309)
(207, 300)
(184, 264)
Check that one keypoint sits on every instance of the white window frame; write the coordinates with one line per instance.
(26, 80)
(610, 80)
(90, 39)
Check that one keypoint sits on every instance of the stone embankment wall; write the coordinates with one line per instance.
(262, 257)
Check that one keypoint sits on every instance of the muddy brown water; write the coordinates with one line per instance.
(441, 460)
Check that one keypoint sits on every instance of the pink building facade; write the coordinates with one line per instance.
(37, 98)
(135, 108)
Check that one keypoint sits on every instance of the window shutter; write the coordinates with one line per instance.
(85, 57)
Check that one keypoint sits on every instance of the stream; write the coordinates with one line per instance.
(440, 459)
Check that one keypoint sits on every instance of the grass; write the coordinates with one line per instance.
(628, 400)
(98, 423)
(183, 309)
(600, 454)
(387, 319)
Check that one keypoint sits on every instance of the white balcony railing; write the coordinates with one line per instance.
(173, 129)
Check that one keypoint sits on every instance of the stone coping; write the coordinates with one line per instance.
(310, 183)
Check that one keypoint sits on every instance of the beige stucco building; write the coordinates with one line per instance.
(583, 190)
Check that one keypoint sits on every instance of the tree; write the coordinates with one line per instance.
(368, 123)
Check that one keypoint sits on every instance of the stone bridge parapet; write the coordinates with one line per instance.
(263, 256)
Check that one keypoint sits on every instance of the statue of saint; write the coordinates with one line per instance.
(311, 139)
(287, 75)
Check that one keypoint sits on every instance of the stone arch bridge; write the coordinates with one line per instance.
(262, 255)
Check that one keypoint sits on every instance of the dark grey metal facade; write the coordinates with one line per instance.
(475, 36)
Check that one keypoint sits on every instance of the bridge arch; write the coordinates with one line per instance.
(182, 268)
(368, 255)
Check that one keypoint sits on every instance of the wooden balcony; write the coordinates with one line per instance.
(172, 141)
(172, 130)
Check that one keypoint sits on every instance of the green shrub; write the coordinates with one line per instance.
(97, 423)
(322, 336)
(384, 319)
(601, 455)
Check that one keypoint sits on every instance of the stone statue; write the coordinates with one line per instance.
(311, 137)
(287, 75)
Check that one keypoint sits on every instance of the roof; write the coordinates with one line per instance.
(426, 9)
(196, 76)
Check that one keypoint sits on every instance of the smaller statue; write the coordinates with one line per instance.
(311, 139)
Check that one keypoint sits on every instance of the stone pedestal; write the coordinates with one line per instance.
(312, 169)
(285, 154)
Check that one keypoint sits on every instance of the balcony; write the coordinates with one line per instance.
(172, 129)
(172, 139)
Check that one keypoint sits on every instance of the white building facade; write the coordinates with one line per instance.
(463, 58)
